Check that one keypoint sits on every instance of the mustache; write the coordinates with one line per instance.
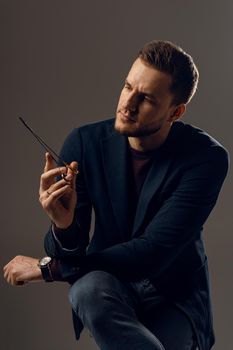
(128, 113)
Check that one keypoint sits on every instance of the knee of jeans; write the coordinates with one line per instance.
(88, 290)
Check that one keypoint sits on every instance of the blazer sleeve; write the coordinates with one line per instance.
(74, 240)
(178, 222)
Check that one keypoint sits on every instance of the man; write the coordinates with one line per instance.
(152, 181)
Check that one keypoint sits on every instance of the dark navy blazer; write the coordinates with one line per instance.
(165, 245)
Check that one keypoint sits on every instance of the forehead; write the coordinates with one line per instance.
(146, 78)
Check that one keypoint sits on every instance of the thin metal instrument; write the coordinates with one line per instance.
(52, 153)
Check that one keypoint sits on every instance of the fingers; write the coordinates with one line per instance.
(49, 163)
(11, 273)
(72, 171)
(48, 178)
(69, 178)
(49, 199)
(21, 270)
(52, 190)
(58, 198)
(50, 173)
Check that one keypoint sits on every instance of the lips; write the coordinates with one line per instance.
(126, 118)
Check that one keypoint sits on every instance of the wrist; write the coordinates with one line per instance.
(63, 225)
(44, 265)
(68, 238)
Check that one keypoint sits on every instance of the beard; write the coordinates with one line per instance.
(134, 130)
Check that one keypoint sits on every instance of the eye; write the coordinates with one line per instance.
(148, 99)
(145, 98)
(127, 86)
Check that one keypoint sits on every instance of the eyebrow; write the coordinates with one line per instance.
(142, 92)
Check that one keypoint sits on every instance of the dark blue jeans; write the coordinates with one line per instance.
(129, 316)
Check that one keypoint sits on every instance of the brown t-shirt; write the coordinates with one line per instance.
(141, 163)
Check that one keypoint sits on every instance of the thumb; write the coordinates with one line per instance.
(72, 171)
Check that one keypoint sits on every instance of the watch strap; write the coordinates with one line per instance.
(46, 271)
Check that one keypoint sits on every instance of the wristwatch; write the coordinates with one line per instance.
(45, 266)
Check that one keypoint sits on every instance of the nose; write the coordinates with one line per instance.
(131, 102)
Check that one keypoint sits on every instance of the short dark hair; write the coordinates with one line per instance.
(172, 59)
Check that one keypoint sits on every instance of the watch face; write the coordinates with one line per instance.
(44, 261)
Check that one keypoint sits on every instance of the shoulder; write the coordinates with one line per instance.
(90, 133)
(102, 128)
(194, 148)
(196, 142)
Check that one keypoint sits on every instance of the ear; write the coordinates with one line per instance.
(177, 112)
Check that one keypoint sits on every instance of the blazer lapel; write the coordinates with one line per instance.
(157, 173)
(151, 185)
(116, 164)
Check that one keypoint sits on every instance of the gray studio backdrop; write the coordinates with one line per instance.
(62, 65)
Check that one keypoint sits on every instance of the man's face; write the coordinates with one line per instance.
(145, 104)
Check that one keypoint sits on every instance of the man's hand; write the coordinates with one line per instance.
(22, 269)
(58, 198)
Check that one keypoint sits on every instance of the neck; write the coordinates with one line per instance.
(148, 143)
